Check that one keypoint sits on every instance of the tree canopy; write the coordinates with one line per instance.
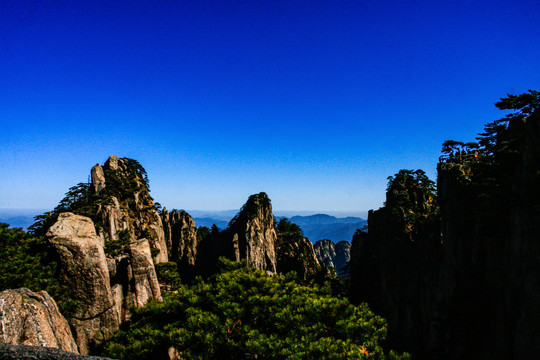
(243, 313)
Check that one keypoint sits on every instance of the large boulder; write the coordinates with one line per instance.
(84, 269)
(30, 318)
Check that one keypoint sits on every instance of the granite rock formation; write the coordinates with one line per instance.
(465, 284)
(84, 268)
(251, 234)
(144, 276)
(333, 255)
(124, 204)
(30, 318)
(294, 252)
(181, 237)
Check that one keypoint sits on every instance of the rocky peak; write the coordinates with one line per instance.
(343, 254)
(181, 236)
(71, 225)
(252, 233)
(125, 208)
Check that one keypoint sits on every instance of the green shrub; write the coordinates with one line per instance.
(242, 313)
(28, 261)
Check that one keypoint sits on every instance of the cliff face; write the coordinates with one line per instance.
(490, 274)
(393, 265)
(181, 237)
(333, 255)
(251, 234)
(469, 287)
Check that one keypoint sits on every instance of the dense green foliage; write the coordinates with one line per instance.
(27, 261)
(410, 196)
(242, 313)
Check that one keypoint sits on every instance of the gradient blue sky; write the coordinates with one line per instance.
(314, 102)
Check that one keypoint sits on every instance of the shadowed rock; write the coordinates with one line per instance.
(23, 352)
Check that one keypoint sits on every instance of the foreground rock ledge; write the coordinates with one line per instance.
(24, 352)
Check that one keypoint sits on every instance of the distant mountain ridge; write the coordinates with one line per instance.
(323, 226)
(316, 227)
(21, 218)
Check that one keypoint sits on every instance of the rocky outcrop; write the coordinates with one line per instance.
(124, 204)
(325, 251)
(30, 318)
(144, 276)
(251, 235)
(24, 352)
(333, 255)
(84, 269)
(181, 237)
(394, 266)
(469, 288)
(294, 252)
(297, 256)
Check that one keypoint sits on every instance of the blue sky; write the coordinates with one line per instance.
(314, 102)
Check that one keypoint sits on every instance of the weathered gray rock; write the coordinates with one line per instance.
(84, 268)
(181, 236)
(333, 255)
(253, 227)
(24, 352)
(343, 254)
(325, 250)
(144, 273)
(30, 318)
(114, 220)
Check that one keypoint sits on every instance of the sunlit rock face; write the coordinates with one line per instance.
(124, 205)
(32, 318)
(144, 276)
(84, 269)
(252, 235)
